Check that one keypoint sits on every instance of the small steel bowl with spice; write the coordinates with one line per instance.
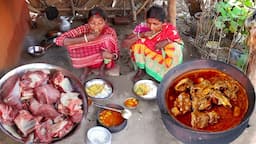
(131, 103)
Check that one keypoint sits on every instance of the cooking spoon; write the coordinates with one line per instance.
(124, 112)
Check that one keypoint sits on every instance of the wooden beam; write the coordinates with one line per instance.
(72, 7)
(143, 6)
(87, 9)
(134, 15)
(172, 11)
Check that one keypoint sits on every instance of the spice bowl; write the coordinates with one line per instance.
(131, 103)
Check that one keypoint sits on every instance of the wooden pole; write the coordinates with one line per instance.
(172, 11)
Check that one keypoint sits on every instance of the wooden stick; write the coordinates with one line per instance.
(86, 9)
(134, 15)
(143, 6)
(72, 7)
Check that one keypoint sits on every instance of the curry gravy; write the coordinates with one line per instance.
(227, 120)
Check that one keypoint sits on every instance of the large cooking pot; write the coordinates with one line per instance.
(191, 136)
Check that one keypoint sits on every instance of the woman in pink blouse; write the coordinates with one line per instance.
(92, 45)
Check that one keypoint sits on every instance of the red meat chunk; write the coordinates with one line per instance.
(47, 94)
(33, 79)
(11, 92)
(7, 114)
(25, 122)
(61, 82)
(61, 128)
(42, 132)
(44, 110)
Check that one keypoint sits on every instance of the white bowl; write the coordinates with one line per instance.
(152, 89)
(98, 135)
(105, 93)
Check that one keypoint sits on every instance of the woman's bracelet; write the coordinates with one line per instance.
(138, 35)
(115, 56)
(85, 38)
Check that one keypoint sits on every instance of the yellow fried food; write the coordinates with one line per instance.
(94, 89)
(141, 89)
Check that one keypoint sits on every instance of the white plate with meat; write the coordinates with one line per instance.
(40, 97)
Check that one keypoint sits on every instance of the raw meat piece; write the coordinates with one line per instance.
(47, 94)
(33, 79)
(27, 94)
(73, 104)
(11, 92)
(67, 98)
(77, 116)
(61, 128)
(7, 114)
(42, 132)
(25, 122)
(61, 82)
(44, 110)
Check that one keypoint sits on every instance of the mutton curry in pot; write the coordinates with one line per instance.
(207, 100)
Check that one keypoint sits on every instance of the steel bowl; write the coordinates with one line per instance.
(113, 129)
(151, 94)
(36, 50)
(78, 87)
(191, 136)
(107, 91)
(131, 103)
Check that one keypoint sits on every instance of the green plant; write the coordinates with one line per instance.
(230, 22)
(231, 15)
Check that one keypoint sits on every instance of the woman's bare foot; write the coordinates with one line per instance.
(139, 74)
(84, 75)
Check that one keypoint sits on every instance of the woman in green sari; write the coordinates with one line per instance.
(156, 46)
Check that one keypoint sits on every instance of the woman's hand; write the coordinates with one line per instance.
(78, 40)
(107, 55)
(92, 35)
(72, 41)
(161, 44)
(148, 34)
(145, 34)
(129, 40)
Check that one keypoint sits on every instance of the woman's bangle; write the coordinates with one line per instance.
(115, 56)
(85, 38)
(138, 35)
